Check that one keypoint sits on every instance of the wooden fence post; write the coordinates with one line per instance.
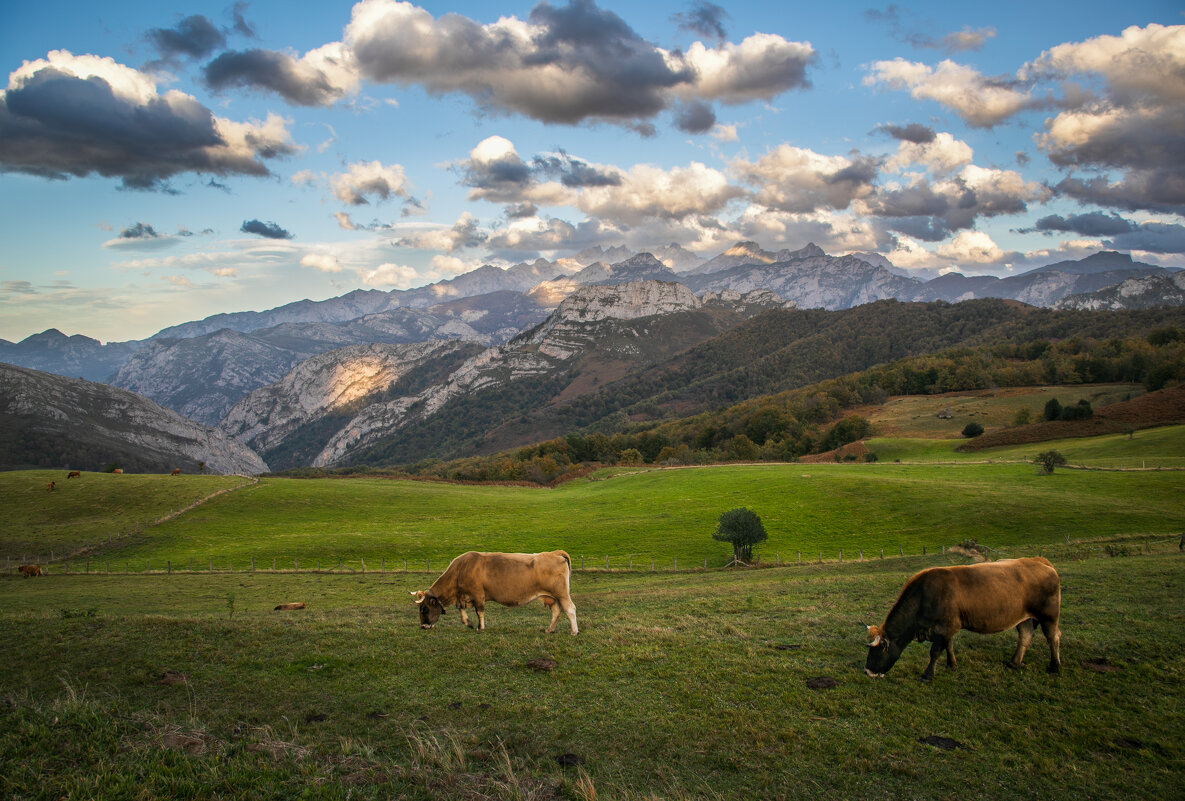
(252, 564)
(841, 554)
(882, 553)
(676, 564)
(169, 566)
(606, 561)
(800, 557)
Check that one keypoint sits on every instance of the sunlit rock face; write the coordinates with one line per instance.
(324, 384)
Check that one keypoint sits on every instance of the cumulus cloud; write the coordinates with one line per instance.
(981, 101)
(704, 18)
(914, 133)
(972, 247)
(464, 233)
(389, 276)
(324, 262)
(798, 180)
(77, 115)
(646, 192)
(373, 179)
(941, 153)
(695, 117)
(268, 230)
(193, 37)
(563, 64)
(933, 210)
(319, 78)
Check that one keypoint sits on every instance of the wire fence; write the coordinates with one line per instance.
(628, 563)
(621, 563)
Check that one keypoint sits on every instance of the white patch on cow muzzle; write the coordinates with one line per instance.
(874, 675)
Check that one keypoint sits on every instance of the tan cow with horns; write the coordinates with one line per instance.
(986, 598)
(511, 579)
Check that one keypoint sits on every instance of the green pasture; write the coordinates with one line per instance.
(917, 415)
(690, 685)
(648, 516)
(1149, 448)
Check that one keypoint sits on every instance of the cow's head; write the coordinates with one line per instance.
(881, 653)
(430, 608)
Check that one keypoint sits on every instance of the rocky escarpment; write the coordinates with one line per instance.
(609, 321)
(52, 421)
(328, 384)
(1149, 292)
(812, 280)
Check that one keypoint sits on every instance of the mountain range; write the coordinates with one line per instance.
(364, 375)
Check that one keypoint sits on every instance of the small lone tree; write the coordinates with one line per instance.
(743, 528)
(972, 429)
(1047, 460)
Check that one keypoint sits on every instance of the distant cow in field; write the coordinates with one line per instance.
(176, 471)
(118, 471)
(51, 486)
(31, 570)
(985, 598)
(511, 579)
(74, 474)
(289, 606)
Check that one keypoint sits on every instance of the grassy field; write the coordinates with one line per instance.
(696, 685)
(644, 515)
(690, 684)
(1150, 448)
(917, 415)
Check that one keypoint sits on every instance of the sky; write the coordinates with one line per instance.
(168, 160)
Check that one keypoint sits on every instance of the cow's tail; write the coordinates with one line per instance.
(567, 559)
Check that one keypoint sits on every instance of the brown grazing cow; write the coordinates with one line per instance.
(118, 471)
(985, 598)
(74, 474)
(176, 471)
(51, 486)
(31, 570)
(511, 579)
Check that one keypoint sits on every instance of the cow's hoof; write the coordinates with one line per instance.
(926, 679)
(1012, 666)
(1052, 669)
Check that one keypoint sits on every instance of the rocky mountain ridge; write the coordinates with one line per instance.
(52, 421)
(595, 318)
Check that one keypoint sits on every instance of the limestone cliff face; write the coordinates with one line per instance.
(323, 384)
(811, 279)
(1135, 293)
(591, 319)
(84, 425)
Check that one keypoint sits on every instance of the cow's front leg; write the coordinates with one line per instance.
(951, 663)
(465, 618)
(936, 649)
(480, 608)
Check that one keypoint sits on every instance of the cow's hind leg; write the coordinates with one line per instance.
(570, 611)
(550, 603)
(1024, 637)
(1053, 635)
(480, 608)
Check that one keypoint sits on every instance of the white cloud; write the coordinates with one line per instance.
(325, 262)
(371, 178)
(389, 276)
(981, 101)
(971, 247)
(940, 156)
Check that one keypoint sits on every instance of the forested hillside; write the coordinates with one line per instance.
(783, 377)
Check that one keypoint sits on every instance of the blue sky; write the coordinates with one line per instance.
(164, 161)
